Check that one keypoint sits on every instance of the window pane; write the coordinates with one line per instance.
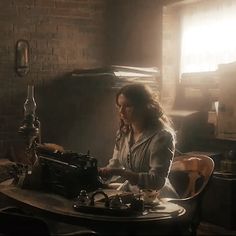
(208, 35)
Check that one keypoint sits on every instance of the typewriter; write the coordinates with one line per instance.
(64, 173)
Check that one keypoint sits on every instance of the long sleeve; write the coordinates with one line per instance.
(161, 151)
(114, 161)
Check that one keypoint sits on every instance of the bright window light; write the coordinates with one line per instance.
(208, 36)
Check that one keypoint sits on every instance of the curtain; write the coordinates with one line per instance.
(208, 35)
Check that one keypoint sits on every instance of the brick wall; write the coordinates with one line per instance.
(63, 35)
(135, 32)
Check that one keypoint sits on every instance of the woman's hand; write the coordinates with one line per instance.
(106, 172)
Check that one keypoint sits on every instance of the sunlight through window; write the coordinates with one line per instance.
(208, 36)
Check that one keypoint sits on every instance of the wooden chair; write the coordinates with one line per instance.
(190, 176)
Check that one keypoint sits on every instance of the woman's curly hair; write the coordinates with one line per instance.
(146, 104)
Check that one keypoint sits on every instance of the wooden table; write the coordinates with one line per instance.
(164, 217)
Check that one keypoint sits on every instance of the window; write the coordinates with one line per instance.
(208, 35)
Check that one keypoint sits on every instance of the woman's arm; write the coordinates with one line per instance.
(107, 173)
(114, 161)
(161, 150)
(113, 166)
(161, 155)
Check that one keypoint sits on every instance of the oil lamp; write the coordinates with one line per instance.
(30, 128)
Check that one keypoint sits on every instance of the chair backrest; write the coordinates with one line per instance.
(190, 174)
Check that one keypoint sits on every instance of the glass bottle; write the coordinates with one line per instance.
(30, 104)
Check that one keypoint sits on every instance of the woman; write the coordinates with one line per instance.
(145, 142)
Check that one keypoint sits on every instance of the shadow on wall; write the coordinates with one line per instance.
(11, 109)
(79, 114)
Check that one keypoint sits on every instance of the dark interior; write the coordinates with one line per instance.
(74, 48)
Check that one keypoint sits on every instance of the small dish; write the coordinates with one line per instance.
(149, 196)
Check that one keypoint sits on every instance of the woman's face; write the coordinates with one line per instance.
(126, 109)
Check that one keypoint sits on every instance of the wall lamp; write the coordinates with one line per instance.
(22, 57)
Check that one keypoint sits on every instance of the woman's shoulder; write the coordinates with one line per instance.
(163, 138)
(165, 133)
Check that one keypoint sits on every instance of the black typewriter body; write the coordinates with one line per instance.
(64, 173)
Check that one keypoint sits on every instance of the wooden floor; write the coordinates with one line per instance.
(210, 229)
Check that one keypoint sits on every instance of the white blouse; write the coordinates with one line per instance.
(151, 156)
